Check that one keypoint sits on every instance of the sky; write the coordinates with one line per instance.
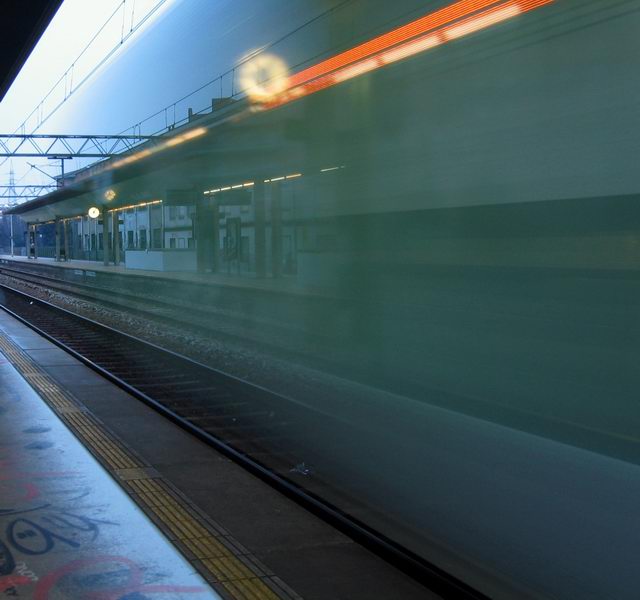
(75, 36)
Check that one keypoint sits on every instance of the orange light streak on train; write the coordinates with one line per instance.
(435, 29)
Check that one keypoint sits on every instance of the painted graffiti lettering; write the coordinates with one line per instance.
(9, 583)
(65, 520)
(7, 564)
(129, 580)
(22, 569)
(32, 539)
(20, 487)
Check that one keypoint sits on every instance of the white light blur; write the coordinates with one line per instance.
(357, 69)
(481, 22)
(410, 48)
(263, 77)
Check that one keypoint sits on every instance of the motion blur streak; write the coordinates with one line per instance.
(401, 34)
(174, 141)
(476, 23)
(410, 48)
(389, 47)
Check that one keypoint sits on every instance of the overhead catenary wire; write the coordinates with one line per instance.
(68, 75)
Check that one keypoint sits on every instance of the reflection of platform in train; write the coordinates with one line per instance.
(278, 192)
(413, 330)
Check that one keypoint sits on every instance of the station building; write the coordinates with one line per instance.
(117, 214)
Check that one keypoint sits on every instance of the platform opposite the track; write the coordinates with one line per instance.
(279, 285)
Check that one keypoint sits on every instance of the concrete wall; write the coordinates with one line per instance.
(159, 260)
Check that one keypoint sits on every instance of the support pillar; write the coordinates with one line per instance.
(30, 241)
(206, 227)
(106, 246)
(215, 237)
(56, 226)
(276, 229)
(65, 236)
(115, 225)
(260, 228)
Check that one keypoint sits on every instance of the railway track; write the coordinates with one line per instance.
(245, 422)
(322, 354)
(185, 315)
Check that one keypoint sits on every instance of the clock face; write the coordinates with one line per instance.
(94, 212)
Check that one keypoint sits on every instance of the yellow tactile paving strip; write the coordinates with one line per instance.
(222, 561)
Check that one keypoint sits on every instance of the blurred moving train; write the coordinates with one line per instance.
(459, 183)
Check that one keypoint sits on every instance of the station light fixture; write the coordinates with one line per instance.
(139, 205)
(229, 187)
(263, 77)
(109, 195)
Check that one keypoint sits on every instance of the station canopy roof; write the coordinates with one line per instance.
(21, 26)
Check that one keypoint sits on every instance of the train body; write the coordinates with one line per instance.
(452, 242)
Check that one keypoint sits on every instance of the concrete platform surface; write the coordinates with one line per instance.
(67, 530)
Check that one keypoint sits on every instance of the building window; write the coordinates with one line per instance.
(172, 243)
(191, 243)
(173, 212)
(143, 239)
(157, 237)
(130, 242)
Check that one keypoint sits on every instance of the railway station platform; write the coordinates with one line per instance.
(101, 497)
(216, 279)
